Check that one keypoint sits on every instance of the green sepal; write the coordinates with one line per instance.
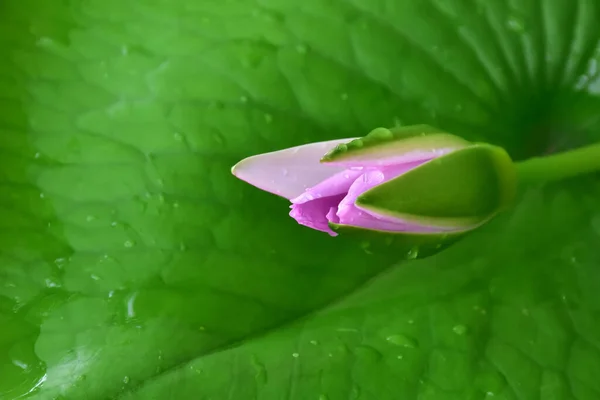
(407, 245)
(462, 189)
(395, 142)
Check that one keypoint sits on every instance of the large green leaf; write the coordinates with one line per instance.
(133, 266)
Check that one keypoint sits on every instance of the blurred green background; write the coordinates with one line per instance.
(134, 266)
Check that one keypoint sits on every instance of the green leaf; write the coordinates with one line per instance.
(134, 266)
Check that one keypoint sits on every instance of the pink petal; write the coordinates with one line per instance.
(288, 173)
(332, 186)
(314, 214)
(349, 214)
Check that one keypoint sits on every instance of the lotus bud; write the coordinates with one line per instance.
(416, 186)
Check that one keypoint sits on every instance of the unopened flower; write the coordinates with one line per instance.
(413, 180)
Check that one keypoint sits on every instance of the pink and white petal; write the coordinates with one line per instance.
(332, 186)
(370, 179)
(289, 172)
(315, 214)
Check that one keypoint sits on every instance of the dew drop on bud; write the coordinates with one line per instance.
(413, 253)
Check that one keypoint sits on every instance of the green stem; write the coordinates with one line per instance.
(560, 166)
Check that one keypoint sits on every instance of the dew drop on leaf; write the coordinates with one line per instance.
(515, 24)
(402, 340)
(367, 353)
(260, 371)
(52, 283)
(460, 329)
(60, 262)
(413, 253)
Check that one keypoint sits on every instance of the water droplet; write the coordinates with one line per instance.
(175, 204)
(42, 195)
(460, 329)
(60, 262)
(130, 305)
(592, 67)
(323, 397)
(37, 155)
(243, 99)
(128, 243)
(413, 253)
(202, 328)
(342, 147)
(365, 246)
(178, 136)
(525, 312)
(582, 81)
(268, 118)
(90, 218)
(515, 24)
(295, 355)
(95, 277)
(124, 50)
(182, 246)
(400, 357)
(344, 96)
(52, 283)
(411, 321)
(367, 353)
(126, 379)
(314, 342)
(114, 223)
(380, 134)
(301, 49)
(402, 340)
(21, 364)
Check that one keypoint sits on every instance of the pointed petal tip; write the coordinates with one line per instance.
(288, 172)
